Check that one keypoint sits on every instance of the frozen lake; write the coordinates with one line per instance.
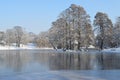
(51, 65)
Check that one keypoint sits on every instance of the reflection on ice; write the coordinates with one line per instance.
(39, 61)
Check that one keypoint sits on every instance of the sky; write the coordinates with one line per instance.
(37, 15)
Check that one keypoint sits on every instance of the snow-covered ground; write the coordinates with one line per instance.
(28, 46)
(112, 50)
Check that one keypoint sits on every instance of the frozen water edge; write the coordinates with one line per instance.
(67, 75)
(112, 50)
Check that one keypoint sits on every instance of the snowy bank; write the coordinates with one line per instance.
(28, 46)
(112, 50)
(16, 48)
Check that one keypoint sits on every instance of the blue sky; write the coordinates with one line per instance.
(36, 15)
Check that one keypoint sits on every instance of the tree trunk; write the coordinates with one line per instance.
(53, 45)
(70, 44)
(101, 45)
(78, 45)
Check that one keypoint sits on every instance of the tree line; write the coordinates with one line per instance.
(16, 36)
(72, 30)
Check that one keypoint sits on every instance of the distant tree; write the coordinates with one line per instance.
(19, 36)
(104, 28)
(9, 36)
(32, 37)
(2, 37)
(18, 30)
(42, 40)
(25, 37)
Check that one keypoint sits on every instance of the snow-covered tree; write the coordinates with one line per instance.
(2, 37)
(9, 36)
(18, 31)
(42, 40)
(32, 37)
(116, 33)
(73, 25)
(104, 29)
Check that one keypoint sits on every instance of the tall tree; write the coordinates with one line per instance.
(78, 24)
(104, 28)
(56, 34)
(72, 26)
(117, 32)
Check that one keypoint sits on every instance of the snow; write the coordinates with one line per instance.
(28, 46)
(112, 50)
(91, 46)
(13, 47)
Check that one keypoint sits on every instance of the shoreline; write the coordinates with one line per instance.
(22, 48)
